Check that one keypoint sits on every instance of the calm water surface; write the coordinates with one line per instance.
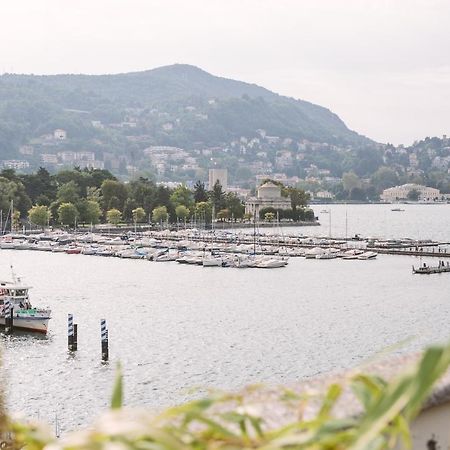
(416, 221)
(176, 327)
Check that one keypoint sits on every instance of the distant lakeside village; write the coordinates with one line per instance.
(415, 174)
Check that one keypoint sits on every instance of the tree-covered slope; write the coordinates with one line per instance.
(31, 105)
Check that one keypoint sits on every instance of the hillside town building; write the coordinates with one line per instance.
(60, 134)
(15, 164)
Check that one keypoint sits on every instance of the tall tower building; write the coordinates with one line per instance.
(218, 174)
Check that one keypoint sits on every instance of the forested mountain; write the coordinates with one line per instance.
(177, 105)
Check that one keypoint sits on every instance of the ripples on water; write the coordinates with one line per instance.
(176, 327)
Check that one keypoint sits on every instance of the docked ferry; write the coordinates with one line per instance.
(25, 316)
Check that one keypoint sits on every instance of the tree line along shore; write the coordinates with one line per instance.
(94, 196)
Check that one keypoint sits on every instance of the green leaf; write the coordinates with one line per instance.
(406, 395)
(367, 388)
(117, 396)
(333, 394)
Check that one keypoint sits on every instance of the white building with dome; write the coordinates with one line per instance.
(268, 196)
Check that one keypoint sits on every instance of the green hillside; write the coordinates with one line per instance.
(202, 109)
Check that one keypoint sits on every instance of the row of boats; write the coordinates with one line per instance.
(184, 251)
(208, 257)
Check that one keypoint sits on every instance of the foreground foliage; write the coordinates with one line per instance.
(231, 422)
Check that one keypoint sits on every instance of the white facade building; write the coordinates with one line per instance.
(324, 195)
(85, 156)
(16, 164)
(269, 196)
(426, 194)
(60, 134)
(49, 158)
(66, 156)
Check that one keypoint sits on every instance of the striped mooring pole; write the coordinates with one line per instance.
(70, 333)
(8, 310)
(104, 337)
(75, 337)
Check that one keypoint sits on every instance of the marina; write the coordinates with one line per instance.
(211, 328)
(219, 248)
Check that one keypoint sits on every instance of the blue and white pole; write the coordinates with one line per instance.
(7, 310)
(104, 337)
(6, 306)
(70, 333)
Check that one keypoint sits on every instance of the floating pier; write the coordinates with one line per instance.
(428, 270)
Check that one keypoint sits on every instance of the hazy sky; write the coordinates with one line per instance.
(382, 66)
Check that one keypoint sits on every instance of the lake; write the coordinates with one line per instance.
(417, 221)
(176, 328)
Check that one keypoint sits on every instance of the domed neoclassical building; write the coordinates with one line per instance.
(268, 196)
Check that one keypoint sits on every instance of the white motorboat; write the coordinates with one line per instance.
(314, 252)
(166, 257)
(368, 255)
(59, 248)
(115, 241)
(23, 245)
(7, 245)
(90, 250)
(191, 259)
(25, 317)
(241, 262)
(352, 254)
(44, 247)
(103, 251)
(270, 263)
(212, 261)
(327, 255)
(130, 253)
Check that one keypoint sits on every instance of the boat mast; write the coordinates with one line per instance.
(346, 223)
(12, 214)
(254, 233)
(329, 217)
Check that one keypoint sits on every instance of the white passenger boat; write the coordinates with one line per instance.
(25, 317)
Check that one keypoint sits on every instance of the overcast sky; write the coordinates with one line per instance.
(382, 66)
